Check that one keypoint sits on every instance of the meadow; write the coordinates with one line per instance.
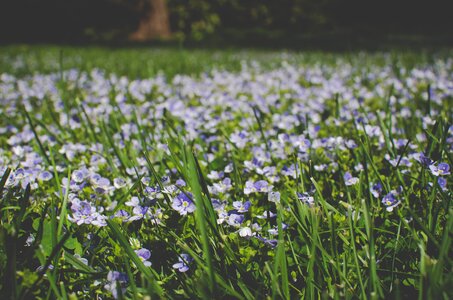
(225, 174)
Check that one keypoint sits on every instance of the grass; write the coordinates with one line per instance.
(70, 235)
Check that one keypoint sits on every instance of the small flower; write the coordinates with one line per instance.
(144, 254)
(390, 201)
(376, 189)
(269, 242)
(306, 199)
(260, 186)
(235, 220)
(133, 202)
(183, 204)
(245, 232)
(442, 183)
(441, 169)
(119, 182)
(349, 180)
(114, 278)
(242, 207)
(180, 183)
(424, 160)
(45, 176)
(274, 197)
(183, 263)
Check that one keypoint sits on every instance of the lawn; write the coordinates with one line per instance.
(225, 174)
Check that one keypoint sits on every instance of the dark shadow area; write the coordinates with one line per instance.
(295, 24)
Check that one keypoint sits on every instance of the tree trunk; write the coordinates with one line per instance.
(155, 23)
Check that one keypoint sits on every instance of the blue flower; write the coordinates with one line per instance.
(424, 160)
(115, 278)
(144, 254)
(260, 186)
(376, 190)
(390, 201)
(349, 180)
(183, 263)
(242, 207)
(183, 204)
(442, 183)
(306, 199)
(440, 170)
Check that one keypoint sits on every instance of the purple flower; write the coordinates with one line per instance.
(424, 160)
(289, 171)
(183, 204)
(235, 220)
(440, 170)
(269, 242)
(144, 254)
(180, 183)
(349, 180)
(274, 197)
(115, 278)
(183, 263)
(306, 199)
(122, 214)
(442, 183)
(376, 189)
(139, 213)
(84, 213)
(45, 176)
(390, 201)
(119, 182)
(260, 186)
(242, 207)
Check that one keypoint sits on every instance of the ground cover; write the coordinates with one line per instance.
(225, 174)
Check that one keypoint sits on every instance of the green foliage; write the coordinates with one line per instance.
(342, 245)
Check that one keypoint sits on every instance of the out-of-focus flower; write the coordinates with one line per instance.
(183, 263)
(349, 179)
(441, 169)
(144, 255)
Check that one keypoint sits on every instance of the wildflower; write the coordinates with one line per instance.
(306, 199)
(260, 186)
(180, 183)
(183, 263)
(235, 220)
(144, 254)
(122, 214)
(423, 160)
(274, 197)
(289, 171)
(115, 278)
(183, 204)
(214, 175)
(242, 207)
(440, 170)
(222, 187)
(269, 242)
(442, 183)
(349, 179)
(139, 213)
(133, 202)
(266, 215)
(390, 201)
(84, 213)
(245, 232)
(376, 189)
(45, 176)
(119, 183)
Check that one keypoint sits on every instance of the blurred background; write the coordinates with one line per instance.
(249, 23)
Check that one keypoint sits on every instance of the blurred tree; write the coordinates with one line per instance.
(154, 22)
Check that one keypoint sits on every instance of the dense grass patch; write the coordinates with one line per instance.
(220, 175)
